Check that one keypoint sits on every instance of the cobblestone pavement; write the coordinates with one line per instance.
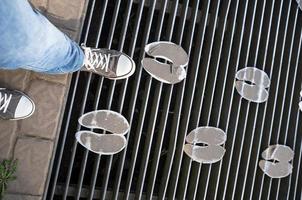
(32, 140)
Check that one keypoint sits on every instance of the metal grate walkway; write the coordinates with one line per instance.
(221, 37)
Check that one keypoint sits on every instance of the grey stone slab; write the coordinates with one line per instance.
(33, 157)
(66, 14)
(49, 100)
(14, 79)
(56, 78)
(41, 5)
(74, 35)
(21, 197)
(8, 135)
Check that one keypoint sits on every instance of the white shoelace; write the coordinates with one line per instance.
(94, 60)
(4, 101)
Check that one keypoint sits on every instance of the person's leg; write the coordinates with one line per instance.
(30, 41)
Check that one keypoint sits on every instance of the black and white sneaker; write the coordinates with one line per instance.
(111, 64)
(15, 105)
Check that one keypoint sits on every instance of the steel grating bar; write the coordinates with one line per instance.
(291, 110)
(299, 161)
(109, 41)
(56, 172)
(216, 61)
(151, 183)
(167, 101)
(96, 104)
(271, 72)
(154, 112)
(74, 148)
(239, 111)
(248, 105)
(266, 103)
(153, 115)
(97, 100)
(183, 184)
(225, 78)
(121, 102)
(286, 90)
(75, 143)
(231, 100)
(195, 121)
(276, 96)
(187, 108)
(287, 71)
(163, 121)
(257, 106)
(296, 122)
(176, 119)
(133, 102)
(110, 98)
(195, 174)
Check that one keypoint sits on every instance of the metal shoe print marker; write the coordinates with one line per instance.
(174, 54)
(103, 144)
(212, 137)
(257, 91)
(280, 165)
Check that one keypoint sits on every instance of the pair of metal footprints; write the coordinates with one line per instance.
(211, 137)
(276, 158)
(109, 121)
(167, 64)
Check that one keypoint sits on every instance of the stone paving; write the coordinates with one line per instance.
(31, 141)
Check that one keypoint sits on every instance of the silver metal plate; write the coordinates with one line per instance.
(276, 170)
(212, 138)
(276, 163)
(207, 135)
(103, 144)
(164, 72)
(168, 51)
(171, 71)
(252, 84)
(204, 154)
(107, 120)
(278, 152)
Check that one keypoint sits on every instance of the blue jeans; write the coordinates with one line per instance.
(29, 41)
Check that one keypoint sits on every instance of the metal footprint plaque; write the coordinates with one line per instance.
(104, 144)
(175, 58)
(107, 120)
(252, 84)
(212, 138)
(276, 163)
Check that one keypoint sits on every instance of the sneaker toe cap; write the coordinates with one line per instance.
(125, 66)
(24, 108)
